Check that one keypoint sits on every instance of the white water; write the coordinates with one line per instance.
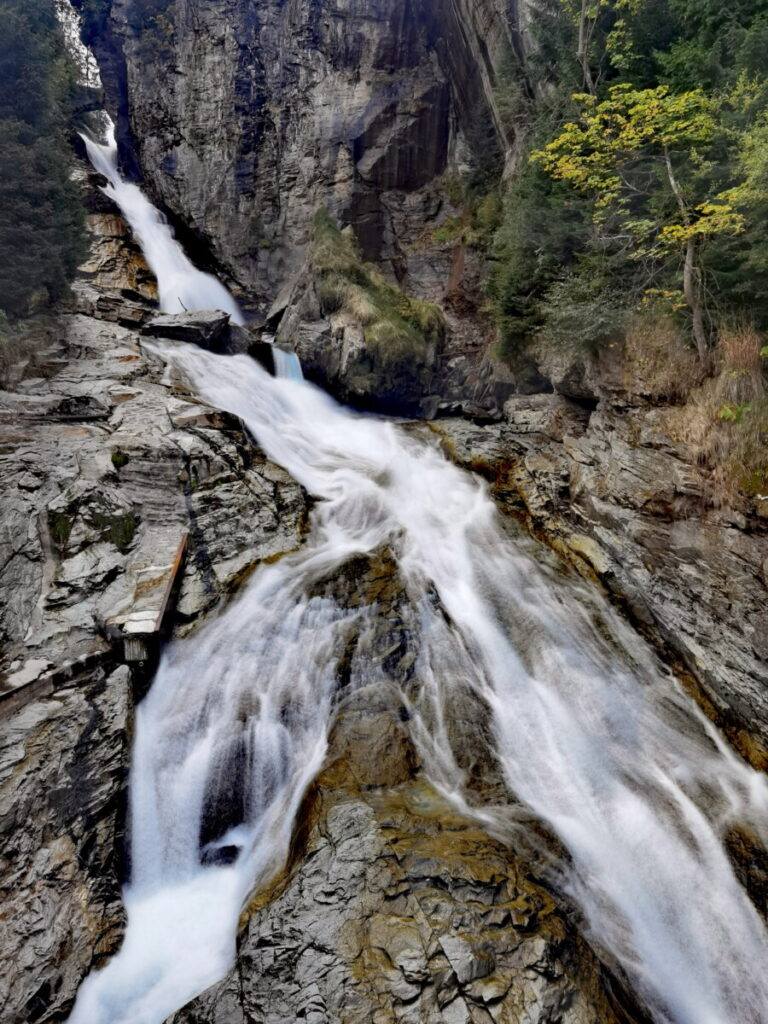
(592, 737)
(287, 364)
(181, 286)
(615, 760)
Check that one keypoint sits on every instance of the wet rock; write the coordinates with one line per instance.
(612, 492)
(396, 908)
(219, 855)
(63, 768)
(203, 328)
(105, 465)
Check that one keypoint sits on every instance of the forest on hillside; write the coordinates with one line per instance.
(645, 179)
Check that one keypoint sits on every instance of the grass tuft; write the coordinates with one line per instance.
(397, 329)
(725, 420)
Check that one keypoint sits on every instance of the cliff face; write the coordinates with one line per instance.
(246, 119)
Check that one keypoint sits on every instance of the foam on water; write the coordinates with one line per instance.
(593, 737)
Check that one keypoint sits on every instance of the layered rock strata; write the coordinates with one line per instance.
(626, 504)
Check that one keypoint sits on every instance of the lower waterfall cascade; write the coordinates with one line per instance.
(593, 736)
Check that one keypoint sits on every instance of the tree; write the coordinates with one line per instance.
(41, 216)
(640, 155)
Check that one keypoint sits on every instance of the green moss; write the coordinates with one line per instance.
(397, 328)
(60, 527)
(119, 458)
(118, 530)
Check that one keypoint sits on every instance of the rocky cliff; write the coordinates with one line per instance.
(106, 465)
(245, 120)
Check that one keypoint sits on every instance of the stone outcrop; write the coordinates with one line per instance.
(63, 767)
(394, 905)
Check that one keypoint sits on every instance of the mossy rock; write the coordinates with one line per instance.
(399, 331)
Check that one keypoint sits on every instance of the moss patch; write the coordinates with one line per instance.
(60, 526)
(396, 328)
(118, 530)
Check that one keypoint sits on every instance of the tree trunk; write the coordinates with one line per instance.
(583, 50)
(691, 288)
(691, 292)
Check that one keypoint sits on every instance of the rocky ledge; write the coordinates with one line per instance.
(613, 492)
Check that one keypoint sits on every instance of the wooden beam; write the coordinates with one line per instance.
(178, 561)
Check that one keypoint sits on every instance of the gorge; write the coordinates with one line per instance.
(400, 760)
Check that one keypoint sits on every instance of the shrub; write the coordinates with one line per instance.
(579, 313)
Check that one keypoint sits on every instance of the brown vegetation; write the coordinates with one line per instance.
(724, 420)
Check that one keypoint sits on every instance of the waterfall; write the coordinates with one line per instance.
(287, 364)
(181, 286)
(593, 737)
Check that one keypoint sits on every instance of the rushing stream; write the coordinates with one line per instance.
(593, 736)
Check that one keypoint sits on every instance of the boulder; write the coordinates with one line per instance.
(203, 327)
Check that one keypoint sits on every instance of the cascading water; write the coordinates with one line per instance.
(592, 736)
(287, 364)
(181, 286)
(628, 775)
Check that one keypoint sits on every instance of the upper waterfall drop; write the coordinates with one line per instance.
(181, 286)
(286, 364)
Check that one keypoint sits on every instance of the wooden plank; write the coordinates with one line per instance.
(175, 569)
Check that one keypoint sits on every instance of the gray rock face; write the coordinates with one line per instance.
(203, 328)
(63, 764)
(246, 119)
(394, 907)
(254, 116)
(106, 467)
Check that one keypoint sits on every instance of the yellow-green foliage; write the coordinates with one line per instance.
(641, 126)
(396, 328)
(479, 219)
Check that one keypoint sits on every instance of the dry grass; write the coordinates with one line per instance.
(739, 348)
(724, 423)
(656, 361)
